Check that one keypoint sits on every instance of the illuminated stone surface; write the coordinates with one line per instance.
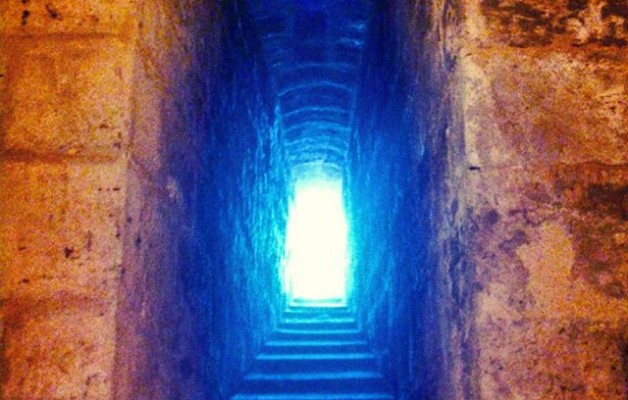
(146, 149)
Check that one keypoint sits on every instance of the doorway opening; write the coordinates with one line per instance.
(317, 256)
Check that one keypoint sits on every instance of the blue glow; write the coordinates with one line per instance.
(316, 244)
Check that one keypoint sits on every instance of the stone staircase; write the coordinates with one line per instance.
(316, 353)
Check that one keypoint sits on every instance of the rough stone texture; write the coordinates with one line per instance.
(536, 168)
(61, 227)
(68, 97)
(66, 17)
(64, 123)
(519, 144)
(143, 194)
(59, 347)
(60, 258)
(313, 51)
(390, 219)
(205, 207)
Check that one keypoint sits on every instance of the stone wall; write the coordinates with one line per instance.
(389, 215)
(519, 158)
(139, 224)
(542, 90)
(65, 127)
(531, 98)
(142, 198)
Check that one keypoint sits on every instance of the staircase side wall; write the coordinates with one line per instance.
(524, 114)
(139, 227)
(66, 77)
(527, 106)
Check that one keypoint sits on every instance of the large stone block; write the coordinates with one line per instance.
(61, 227)
(550, 257)
(545, 23)
(522, 108)
(59, 347)
(556, 224)
(550, 359)
(597, 196)
(67, 97)
(66, 17)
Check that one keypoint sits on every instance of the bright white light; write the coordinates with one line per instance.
(316, 243)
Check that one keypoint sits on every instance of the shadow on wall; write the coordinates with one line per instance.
(394, 173)
(202, 287)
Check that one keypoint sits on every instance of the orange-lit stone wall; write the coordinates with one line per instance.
(85, 90)
(65, 123)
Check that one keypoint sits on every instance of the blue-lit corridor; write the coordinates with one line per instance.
(343, 159)
(301, 265)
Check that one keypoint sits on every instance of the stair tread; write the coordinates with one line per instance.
(322, 312)
(294, 320)
(314, 343)
(306, 303)
(315, 356)
(315, 396)
(316, 353)
(319, 326)
(313, 375)
(320, 331)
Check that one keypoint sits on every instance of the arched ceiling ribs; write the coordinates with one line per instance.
(313, 51)
(315, 169)
(312, 68)
(313, 158)
(313, 113)
(334, 72)
(321, 96)
(318, 128)
(305, 84)
(327, 143)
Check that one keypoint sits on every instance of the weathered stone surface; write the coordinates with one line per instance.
(548, 249)
(68, 98)
(550, 258)
(540, 23)
(90, 17)
(146, 137)
(198, 289)
(58, 347)
(61, 227)
(508, 204)
(526, 108)
(537, 189)
(550, 359)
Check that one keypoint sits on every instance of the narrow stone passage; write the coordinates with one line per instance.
(317, 352)
(151, 152)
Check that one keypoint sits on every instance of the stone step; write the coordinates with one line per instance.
(331, 362)
(315, 346)
(318, 323)
(315, 334)
(316, 353)
(317, 312)
(315, 396)
(310, 303)
(314, 382)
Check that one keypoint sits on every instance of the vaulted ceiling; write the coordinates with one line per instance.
(313, 50)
